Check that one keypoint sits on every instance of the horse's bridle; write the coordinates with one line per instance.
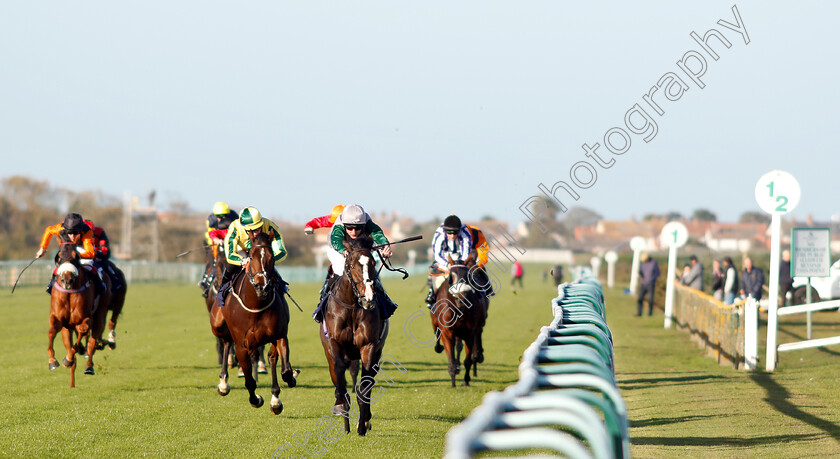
(348, 266)
(261, 274)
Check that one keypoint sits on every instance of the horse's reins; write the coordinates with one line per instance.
(251, 278)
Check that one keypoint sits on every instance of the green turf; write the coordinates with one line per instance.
(155, 394)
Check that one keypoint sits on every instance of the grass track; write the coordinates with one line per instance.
(155, 394)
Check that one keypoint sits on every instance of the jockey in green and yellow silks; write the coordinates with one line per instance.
(251, 220)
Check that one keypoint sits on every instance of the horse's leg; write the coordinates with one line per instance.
(220, 351)
(459, 346)
(369, 357)
(354, 373)
(67, 337)
(276, 405)
(117, 304)
(449, 345)
(338, 366)
(286, 372)
(468, 361)
(224, 388)
(55, 325)
(244, 357)
(91, 349)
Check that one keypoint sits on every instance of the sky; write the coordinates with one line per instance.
(422, 108)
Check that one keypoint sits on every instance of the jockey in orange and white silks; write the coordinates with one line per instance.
(74, 226)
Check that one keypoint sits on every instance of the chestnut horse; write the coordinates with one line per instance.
(71, 306)
(255, 313)
(459, 312)
(354, 329)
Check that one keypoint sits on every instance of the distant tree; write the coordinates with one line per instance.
(704, 215)
(649, 217)
(487, 218)
(754, 217)
(579, 216)
(673, 215)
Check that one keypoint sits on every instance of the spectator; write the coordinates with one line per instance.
(649, 272)
(516, 272)
(785, 279)
(557, 274)
(694, 279)
(730, 283)
(718, 277)
(684, 277)
(752, 279)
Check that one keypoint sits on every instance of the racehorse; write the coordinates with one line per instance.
(459, 312)
(353, 329)
(215, 272)
(255, 313)
(113, 301)
(71, 306)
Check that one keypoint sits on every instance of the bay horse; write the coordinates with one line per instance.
(354, 329)
(71, 307)
(459, 313)
(112, 300)
(216, 270)
(255, 313)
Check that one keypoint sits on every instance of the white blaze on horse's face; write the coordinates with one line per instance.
(363, 260)
(67, 273)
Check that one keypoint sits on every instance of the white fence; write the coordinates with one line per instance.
(138, 271)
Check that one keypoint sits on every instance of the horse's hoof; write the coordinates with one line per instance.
(290, 378)
(100, 345)
(276, 405)
(112, 344)
(438, 348)
(68, 363)
(261, 369)
(259, 403)
(480, 358)
(241, 373)
(339, 410)
(368, 425)
(53, 365)
(89, 371)
(223, 390)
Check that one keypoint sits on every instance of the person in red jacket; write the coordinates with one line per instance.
(325, 221)
(102, 257)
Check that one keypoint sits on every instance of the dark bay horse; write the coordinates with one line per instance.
(112, 300)
(353, 329)
(71, 307)
(459, 312)
(215, 272)
(255, 313)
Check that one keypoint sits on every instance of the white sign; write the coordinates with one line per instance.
(811, 254)
(777, 192)
(637, 243)
(674, 234)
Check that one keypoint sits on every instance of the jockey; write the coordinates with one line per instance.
(217, 227)
(74, 226)
(102, 256)
(323, 222)
(352, 223)
(250, 221)
(452, 239)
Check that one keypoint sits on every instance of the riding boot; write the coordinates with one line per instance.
(430, 298)
(317, 314)
(50, 284)
(227, 276)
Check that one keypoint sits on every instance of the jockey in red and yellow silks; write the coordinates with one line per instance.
(325, 221)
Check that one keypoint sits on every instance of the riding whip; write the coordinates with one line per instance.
(293, 301)
(193, 250)
(21, 273)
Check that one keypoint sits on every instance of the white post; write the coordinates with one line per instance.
(669, 288)
(596, 266)
(808, 300)
(610, 274)
(773, 307)
(750, 334)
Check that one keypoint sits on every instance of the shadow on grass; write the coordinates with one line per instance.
(666, 421)
(777, 397)
(723, 441)
(631, 384)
